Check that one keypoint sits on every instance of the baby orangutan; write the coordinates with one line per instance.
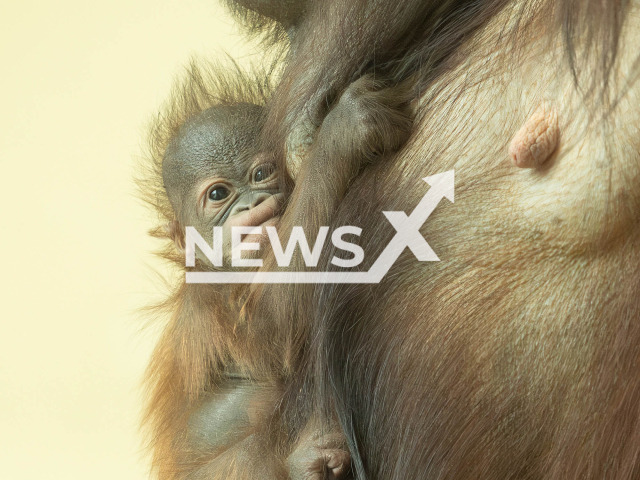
(218, 381)
(214, 177)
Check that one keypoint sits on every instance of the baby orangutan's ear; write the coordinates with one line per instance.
(175, 231)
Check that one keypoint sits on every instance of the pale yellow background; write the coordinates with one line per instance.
(78, 80)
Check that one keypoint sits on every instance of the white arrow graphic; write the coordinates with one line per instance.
(407, 236)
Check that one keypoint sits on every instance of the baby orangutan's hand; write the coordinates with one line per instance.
(320, 457)
(371, 118)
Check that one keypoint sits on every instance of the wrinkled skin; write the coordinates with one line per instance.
(215, 177)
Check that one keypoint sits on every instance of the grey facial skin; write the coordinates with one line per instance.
(214, 175)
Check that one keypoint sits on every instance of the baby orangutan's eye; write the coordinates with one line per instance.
(218, 193)
(263, 172)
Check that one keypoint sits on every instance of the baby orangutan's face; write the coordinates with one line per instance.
(215, 177)
(252, 202)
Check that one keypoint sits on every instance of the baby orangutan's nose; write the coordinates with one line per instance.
(258, 198)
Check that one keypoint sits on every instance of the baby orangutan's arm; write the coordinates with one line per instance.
(369, 121)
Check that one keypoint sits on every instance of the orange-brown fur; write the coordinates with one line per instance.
(209, 334)
(515, 356)
(204, 333)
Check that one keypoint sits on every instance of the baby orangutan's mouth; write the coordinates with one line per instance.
(263, 215)
(265, 211)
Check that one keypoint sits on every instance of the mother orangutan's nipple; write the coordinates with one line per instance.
(537, 138)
